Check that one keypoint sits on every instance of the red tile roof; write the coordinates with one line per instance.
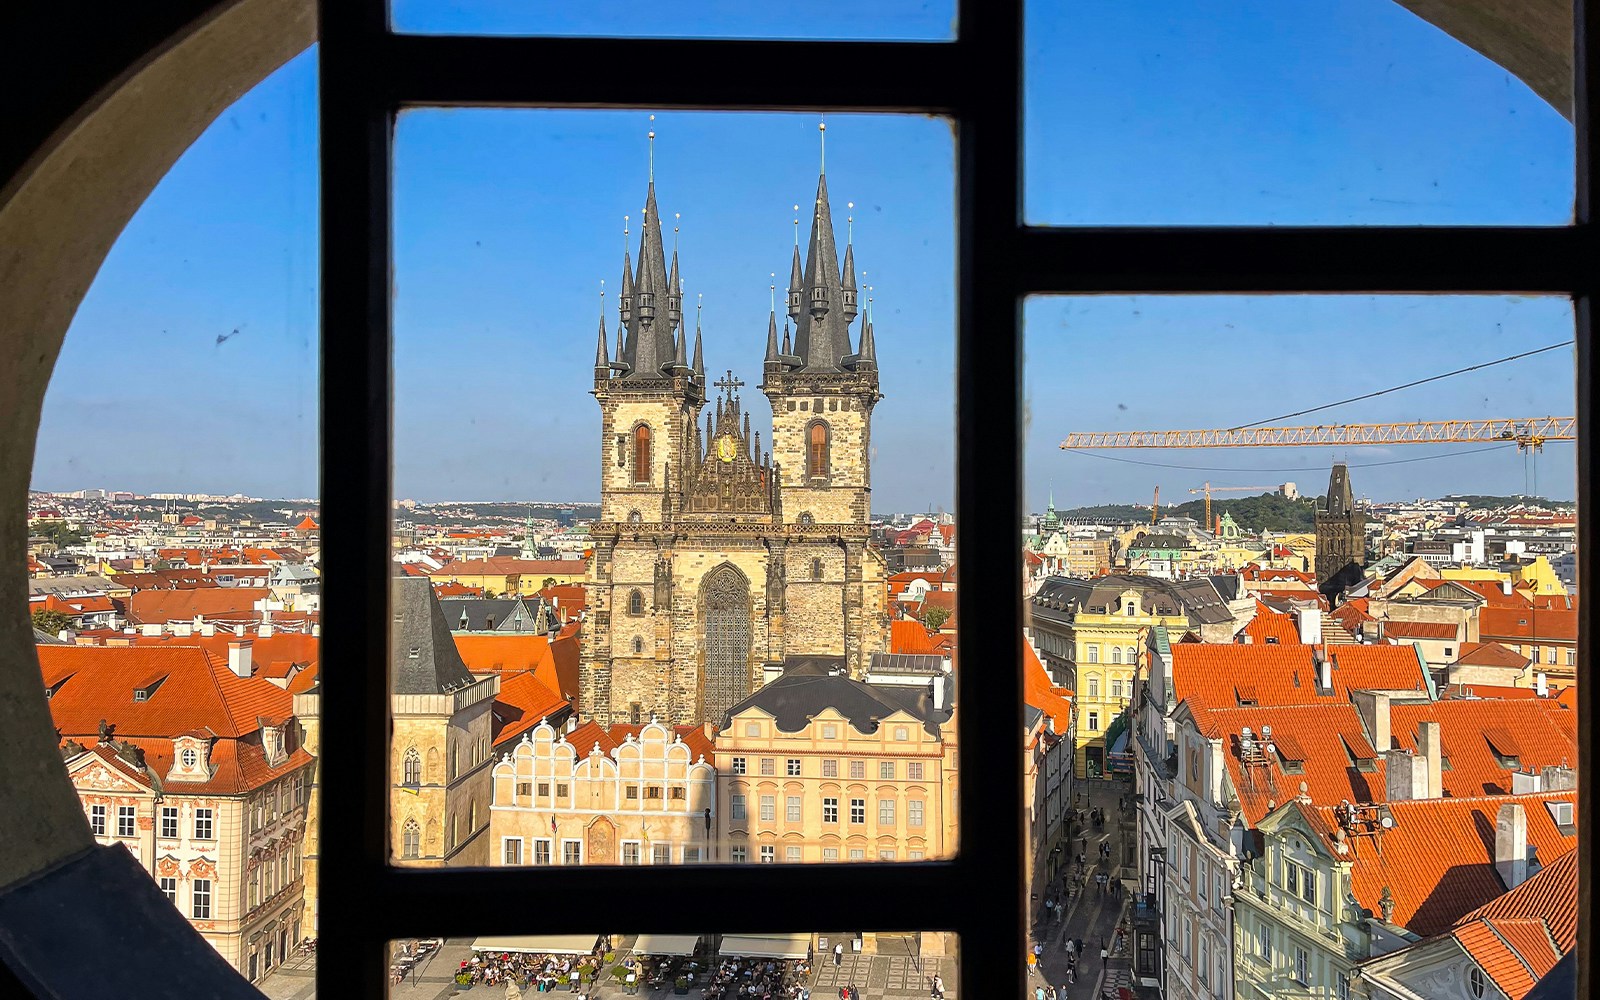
(1438, 859)
(590, 733)
(280, 647)
(306, 524)
(1325, 740)
(1540, 733)
(1550, 895)
(1041, 693)
(199, 692)
(1490, 654)
(553, 659)
(1527, 625)
(1270, 626)
(163, 606)
(907, 635)
(1420, 630)
(569, 598)
(511, 566)
(523, 702)
(1210, 674)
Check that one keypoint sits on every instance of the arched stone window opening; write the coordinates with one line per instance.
(411, 840)
(818, 438)
(638, 646)
(635, 603)
(641, 454)
(413, 767)
(816, 569)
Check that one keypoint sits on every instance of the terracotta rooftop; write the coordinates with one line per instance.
(1524, 625)
(907, 635)
(1490, 654)
(553, 659)
(163, 606)
(523, 702)
(1478, 732)
(1420, 630)
(1216, 675)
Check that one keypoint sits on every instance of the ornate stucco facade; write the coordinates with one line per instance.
(716, 562)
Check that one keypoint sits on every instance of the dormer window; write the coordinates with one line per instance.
(190, 759)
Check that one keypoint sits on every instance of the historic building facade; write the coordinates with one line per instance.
(716, 562)
(1341, 537)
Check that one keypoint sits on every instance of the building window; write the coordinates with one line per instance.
(769, 808)
(1302, 967)
(830, 854)
(413, 767)
(1116, 687)
(169, 889)
(1204, 965)
(858, 811)
(738, 765)
(632, 792)
(830, 810)
(885, 770)
(830, 732)
(886, 854)
(1116, 654)
(768, 854)
(661, 854)
(169, 821)
(638, 646)
(202, 824)
(200, 899)
(816, 569)
(737, 854)
(641, 454)
(914, 813)
(541, 852)
(630, 852)
(411, 839)
(511, 850)
(1094, 654)
(769, 766)
(792, 767)
(572, 852)
(737, 805)
(1343, 985)
(635, 603)
(791, 809)
(817, 450)
(1572, 657)
(124, 821)
(791, 855)
(830, 769)
(1094, 722)
(858, 769)
(1476, 983)
(858, 854)
(97, 820)
(886, 812)
(1264, 942)
(914, 770)
(1130, 656)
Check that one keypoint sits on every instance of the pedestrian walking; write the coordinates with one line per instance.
(1072, 974)
(1104, 951)
(838, 954)
(1071, 949)
(1038, 993)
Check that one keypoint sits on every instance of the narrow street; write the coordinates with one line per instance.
(1092, 913)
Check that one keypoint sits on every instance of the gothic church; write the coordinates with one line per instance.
(717, 563)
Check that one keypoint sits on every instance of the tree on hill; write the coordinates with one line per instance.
(60, 534)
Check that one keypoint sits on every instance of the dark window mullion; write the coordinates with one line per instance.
(916, 77)
(355, 487)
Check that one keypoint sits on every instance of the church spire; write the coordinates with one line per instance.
(867, 357)
(602, 364)
(847, 280)
(822, 335)
(699, 358)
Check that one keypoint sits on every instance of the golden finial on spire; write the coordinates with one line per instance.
(822, 139)
(602, 299)
(699, 304)
(652, 151)
(797, 225)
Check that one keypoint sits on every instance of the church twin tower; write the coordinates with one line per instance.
(715, 563)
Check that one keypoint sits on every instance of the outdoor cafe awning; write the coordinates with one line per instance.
(539, 944)
(666, 944)
(766, 945)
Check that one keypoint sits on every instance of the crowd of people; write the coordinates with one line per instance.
(759, 979)
(537, 973)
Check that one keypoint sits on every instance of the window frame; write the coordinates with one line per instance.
(367, 74)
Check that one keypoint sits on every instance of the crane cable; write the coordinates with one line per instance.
(1408, 385)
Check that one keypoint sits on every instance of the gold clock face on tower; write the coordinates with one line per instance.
(726, 448)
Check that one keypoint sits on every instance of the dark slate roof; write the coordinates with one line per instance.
(1226, 586)
(1340, 500)
(1159, 541)
(509, 614)
(804, 691)
(1061, 597)
(424, 653)
(46, 639)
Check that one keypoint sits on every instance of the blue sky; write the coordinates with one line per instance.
(1137, 113)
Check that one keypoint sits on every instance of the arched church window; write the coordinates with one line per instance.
(816, 569)
(638, 646)
(413, 767)
(641, 454)
(411, 840)
(636, 603)
(634, 517)
(817, 450)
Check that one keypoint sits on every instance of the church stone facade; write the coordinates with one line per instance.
(715, 562)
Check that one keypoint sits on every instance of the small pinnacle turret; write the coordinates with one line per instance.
(771, 357)
(847, 283)
(602, 364)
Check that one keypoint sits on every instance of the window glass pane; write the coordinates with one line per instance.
(177, 454)
(889, 20)
(651, 559)
(1327, 638)
(1263, 112)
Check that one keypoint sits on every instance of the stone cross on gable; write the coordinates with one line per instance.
(728, 381)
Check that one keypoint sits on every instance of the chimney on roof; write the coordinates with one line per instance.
(1324, 672)
(1558, 778)
(1542, 685)
(1406, 775)
(208, 629)
(1511, 844)
(1430, 748)
(264, 630)
(1373, 707)
(1309, 622)
(239, 660)
(1505, 587)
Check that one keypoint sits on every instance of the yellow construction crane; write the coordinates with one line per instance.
(1208, 489)
(1529, 434)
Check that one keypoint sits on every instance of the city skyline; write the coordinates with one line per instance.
(507, 222)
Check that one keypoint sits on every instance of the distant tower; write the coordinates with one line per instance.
(1341, 537)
